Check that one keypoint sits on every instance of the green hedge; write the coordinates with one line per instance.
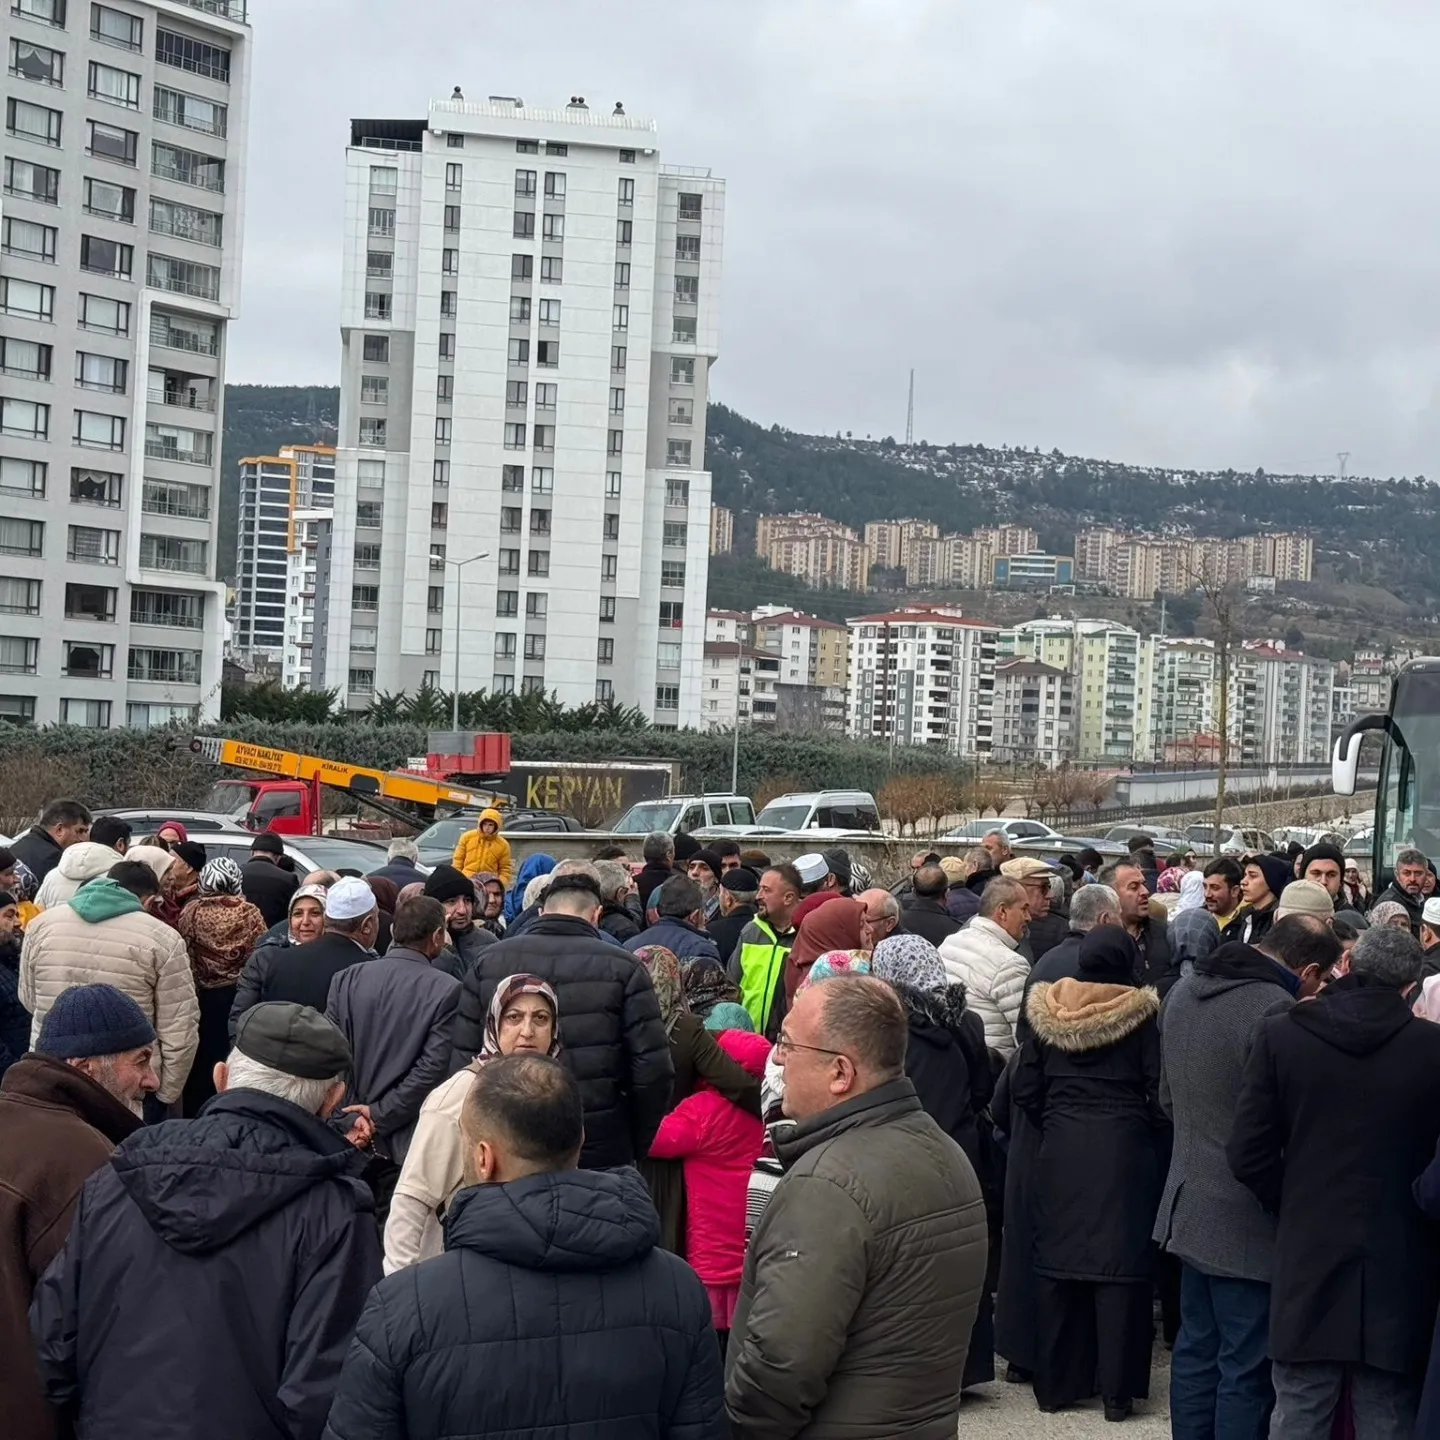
(134, 767)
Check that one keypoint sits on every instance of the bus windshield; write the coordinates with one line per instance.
(1408, 812)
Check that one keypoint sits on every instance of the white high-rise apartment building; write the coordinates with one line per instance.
(120, 228)
(529, 315)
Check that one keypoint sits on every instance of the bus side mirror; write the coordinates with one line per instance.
(1345, 760)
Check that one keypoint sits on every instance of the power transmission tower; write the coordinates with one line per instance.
(1343, 456)
(910, 413)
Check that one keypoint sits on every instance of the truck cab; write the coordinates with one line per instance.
(283, 806)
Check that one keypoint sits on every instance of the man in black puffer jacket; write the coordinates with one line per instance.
(614, 1040)
(552, 1312)
(216, 1267)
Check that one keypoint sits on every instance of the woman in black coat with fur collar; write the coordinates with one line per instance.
(1089, 1080)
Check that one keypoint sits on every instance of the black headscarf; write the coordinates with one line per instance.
(1108, 956)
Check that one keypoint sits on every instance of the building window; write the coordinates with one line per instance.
(519, 309)
(367, 557)
(672, 574)
(362, 682)
(605, 652)
(445, 388)
(687, 247)
(624, 231)
(36, 62)
(537, 604)
(607, 609)
(92, 662)
(618, 357)
(622, 274)
(33, 182)
(515, 436)
(509, 562)
(687, 289)
(547, 352)
(672, 614)
(22, 537)
(620, 317)
(32, 122)
(212, 61)
(544, 438)
(554, 185)
(682, 412)
(683, 332)
(114, 27)
(454, 141)
(384, 179)
(99, 432)
(91, 602)
(24, 419)
(449, 262)
(533, 685)
(675, 533)
(382, 221)
(667, 655)
(432, 642)
(552, 227)
(449, 303)
(524, 228)
(667, 697)
(175, 107)
(545, 395)
(539, 522)
(552, 270)
(96, 487)
(442, 429)
(612, 484)
(682, 372)
(368, 514)
(517, 392)
(504, 645)
(690, 207)
(612, 527)
(379, 264)
(374, 390)
(554, 148)
(512, 477)
(542, 480)
(434, 599)
(29, 240)
(376, 348)
(186, 222)
(677, 492)
(183, 277)
(627, 191)
(538, 562)
(440, 473)
(86, 714)
(452, 217)
(627, 157)
(447, 345)
(615, 442)
(25, 478)
(617, 401)
(677, 452)
(609, 567)
(605, 691)
(365, 598)
(188, 167)
(510, 517)
(549, 312)
(372, 432)
(454, 175)
(518, 352)
(534, 647)
(377, 305)
(507, 604)
(115, 87)
(522, 267)
(527, 147)
(91, 546)
(525, 182)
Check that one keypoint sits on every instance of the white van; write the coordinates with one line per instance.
(686, 812)
(841, 812)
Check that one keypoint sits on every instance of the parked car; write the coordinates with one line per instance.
(146, 820)
(437, 842)
(1360, 845)
(1165, 839)
(842, 812)
(722, 813)
(1234, 839)
(1014, 830)
(1307, 835)
(309, 852)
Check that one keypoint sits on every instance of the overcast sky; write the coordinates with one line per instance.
(1201, 232)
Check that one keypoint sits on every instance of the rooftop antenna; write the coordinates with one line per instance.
(1343, 456)
(910, 412)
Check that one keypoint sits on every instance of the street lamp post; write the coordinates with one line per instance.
(458, 566)
(735, 743)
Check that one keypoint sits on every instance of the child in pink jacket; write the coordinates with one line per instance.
(718, 1142)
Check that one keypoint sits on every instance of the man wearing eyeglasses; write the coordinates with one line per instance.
(864, 1271)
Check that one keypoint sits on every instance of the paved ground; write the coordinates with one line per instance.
(1007, 1412)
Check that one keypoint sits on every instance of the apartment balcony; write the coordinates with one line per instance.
(226, 9)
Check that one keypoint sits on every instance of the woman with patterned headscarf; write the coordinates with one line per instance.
(524, 1018)
(949, 1066)
(220, 929)
(696, 1056)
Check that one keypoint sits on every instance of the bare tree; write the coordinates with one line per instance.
(1220, 597)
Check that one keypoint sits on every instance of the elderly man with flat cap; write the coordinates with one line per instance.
(216, 1267)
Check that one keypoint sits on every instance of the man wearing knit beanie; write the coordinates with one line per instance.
(63, 1109)
(1325, 865)
(1264, 881)
(456, 893)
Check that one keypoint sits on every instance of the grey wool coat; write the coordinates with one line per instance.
(1208, 1026)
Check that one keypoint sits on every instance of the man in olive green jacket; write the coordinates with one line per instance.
(865, 1269)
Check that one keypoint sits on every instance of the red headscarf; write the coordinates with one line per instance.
(835, 926)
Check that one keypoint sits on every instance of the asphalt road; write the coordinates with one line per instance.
(1007, 1412)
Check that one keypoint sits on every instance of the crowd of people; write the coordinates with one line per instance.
(694, 1143)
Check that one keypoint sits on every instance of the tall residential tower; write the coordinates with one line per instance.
(124, 154)
(529, 316)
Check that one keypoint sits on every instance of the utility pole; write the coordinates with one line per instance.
(910, 412)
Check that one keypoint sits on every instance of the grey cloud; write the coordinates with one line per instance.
(1194, 233)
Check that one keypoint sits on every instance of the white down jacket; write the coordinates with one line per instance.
(982, 957)
(122, 947)
(78, 863)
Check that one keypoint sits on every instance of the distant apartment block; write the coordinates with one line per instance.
(1014, 572)
(820, 551)
(806, 681)
(120, 231)
(923, 675)
(1139, 567)
(722, 530)
(529, 316)
(1034, 714)
(311, 531)
(965, 562)
(889, 541)
(1280, 706)
(273, 488)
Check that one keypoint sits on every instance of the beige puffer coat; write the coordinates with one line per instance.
(99, 938)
